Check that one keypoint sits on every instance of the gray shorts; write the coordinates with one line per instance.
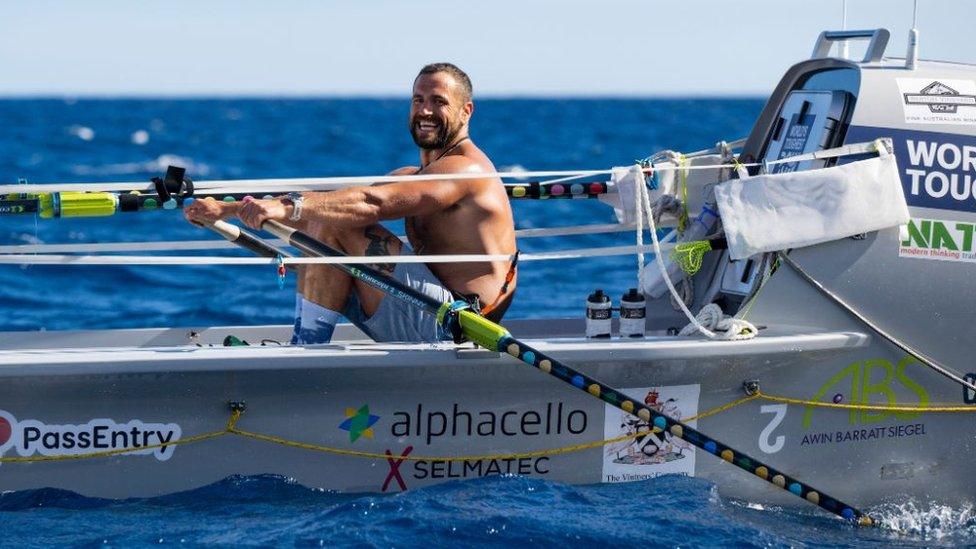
(395, 320)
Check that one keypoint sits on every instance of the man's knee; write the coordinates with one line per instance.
(341, 238)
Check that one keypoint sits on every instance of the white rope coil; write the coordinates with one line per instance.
(724, 326)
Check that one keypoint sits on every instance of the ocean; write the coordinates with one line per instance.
(68, 140)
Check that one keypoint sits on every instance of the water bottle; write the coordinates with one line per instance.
(598, 313)
(633, 313)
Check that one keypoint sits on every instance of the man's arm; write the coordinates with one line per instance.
(356, 207)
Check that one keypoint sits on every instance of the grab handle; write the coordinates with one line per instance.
(876, 47)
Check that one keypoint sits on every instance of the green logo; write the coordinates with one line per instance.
(875, 382)
(947, 240)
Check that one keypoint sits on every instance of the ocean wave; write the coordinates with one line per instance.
(927, 520)
(81, 132)
(154, 166)
(671, 510)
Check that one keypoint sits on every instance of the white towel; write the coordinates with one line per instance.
(767, 213)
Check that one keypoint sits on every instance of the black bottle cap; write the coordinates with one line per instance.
(598, 297)
(633, 295)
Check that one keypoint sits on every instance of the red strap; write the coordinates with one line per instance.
(509, 277)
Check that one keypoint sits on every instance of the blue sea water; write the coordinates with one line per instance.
(59, 140)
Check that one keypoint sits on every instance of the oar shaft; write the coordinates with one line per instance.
(361, 272)
(103, 203)
(663, 423)
(494, 337)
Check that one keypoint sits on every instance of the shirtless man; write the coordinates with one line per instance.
(467, 216)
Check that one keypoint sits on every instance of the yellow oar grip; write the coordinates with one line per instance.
(480, 330)
(77, 204)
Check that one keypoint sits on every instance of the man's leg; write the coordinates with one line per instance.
(326, 289)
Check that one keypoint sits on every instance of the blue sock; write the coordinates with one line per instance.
(316, 323)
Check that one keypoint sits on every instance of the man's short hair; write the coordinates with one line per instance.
(462, 78)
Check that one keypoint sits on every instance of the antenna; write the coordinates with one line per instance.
(845, 49)
(911, 58)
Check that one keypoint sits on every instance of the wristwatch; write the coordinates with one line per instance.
(296, 200)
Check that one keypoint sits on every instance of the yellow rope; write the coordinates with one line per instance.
(231, 429)
(867, 407)
(689, 255)
(683, 182)
(724, 407)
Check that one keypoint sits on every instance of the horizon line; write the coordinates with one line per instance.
(4, 96)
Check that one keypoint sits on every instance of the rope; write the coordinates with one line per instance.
(180, 245)
(644, 199)
(689, 255)
(232, 429)
(683, 184)
(866, 407)
(724, 326)
(325, 183)
(55, 259)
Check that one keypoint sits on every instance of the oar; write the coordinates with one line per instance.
(494, 337)
(106, 203)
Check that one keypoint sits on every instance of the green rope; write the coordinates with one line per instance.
(689, 255)
(683, 183)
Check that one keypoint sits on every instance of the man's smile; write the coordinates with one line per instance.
(427, 126)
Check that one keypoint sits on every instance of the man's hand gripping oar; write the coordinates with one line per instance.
(460, 320)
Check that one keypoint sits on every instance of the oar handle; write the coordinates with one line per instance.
(278, 229)
(244, 239)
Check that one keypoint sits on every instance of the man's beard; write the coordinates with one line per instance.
(443, 137)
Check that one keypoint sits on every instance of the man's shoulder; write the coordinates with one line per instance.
(473, 161)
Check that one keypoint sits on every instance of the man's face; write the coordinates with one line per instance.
(438, 113)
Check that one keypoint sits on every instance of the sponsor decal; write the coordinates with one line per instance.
(876, 381)
(653, 454)
(15, 209)
(431, 425)
(864, 435)
(394, 473)
(795, 142)
(938, 170)
(359, 423)
(936, 239)
(30, 436)
(769, 444)
(481, 468)
(439, 427)
(941, 101)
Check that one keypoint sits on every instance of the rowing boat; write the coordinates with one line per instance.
(834, 368)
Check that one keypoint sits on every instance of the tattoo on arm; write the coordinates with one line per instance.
(379, 245)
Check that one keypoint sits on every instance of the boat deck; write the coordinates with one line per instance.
(171, 349)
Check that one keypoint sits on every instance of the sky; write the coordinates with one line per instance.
(375, 47)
